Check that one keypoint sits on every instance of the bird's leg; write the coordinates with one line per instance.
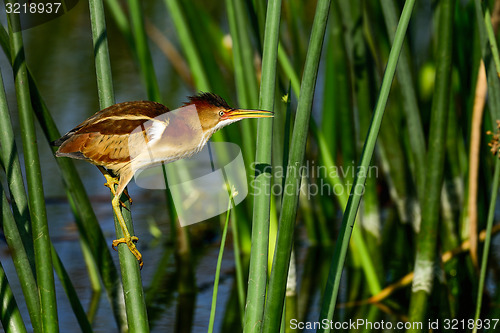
(127, 239)
(111, 182)
(116, 203)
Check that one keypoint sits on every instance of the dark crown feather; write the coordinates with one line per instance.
(208, 98)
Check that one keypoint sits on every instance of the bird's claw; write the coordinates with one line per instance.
(130, 241)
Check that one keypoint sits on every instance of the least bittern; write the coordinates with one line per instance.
(130, 136)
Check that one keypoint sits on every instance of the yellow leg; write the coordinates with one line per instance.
(111, 182)
(127, 239)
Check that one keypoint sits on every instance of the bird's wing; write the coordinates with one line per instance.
(103, 137)
(121, 118)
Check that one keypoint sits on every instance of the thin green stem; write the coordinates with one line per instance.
(333, 283)
(101, 54)
(415, 131)
(244, 70)
(41, 240)
(15, 223)
(428, 235)
(142, 50)
(85, 218)
(240, 280)
(288, 69)
(487, 242)
(492, 40)
(492, 70)
(262, 200)
(188, 44)
(336, 182)
(132, 284)
(9, 312)
(495, 184)
(9, 160)
(68, 287)
(21, 263)
(282, 254)
(217, 269)
(121, 20)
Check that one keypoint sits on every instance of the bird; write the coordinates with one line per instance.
(130, 136)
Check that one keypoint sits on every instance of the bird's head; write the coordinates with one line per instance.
(214, 112)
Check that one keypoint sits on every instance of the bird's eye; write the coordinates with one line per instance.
(221, 113)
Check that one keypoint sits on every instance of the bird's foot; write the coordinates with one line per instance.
(130, 241)
(110, 183)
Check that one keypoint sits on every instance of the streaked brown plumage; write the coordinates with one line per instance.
(126, 137)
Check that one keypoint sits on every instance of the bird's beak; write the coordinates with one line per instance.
(238, 114)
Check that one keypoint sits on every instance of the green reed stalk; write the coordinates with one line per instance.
(121, 21)
(13, 235)
(188, 44)
(21, 263)
(336, 182)
(9, 312)
(244, 70)
(279, 272)
(330, 107)
(219, 264)
(15, 241)
(9, 160)
(495, 183)
(208, 40)
(492, 40)
(239, 275)
(142, 50)
(101, 54)
(199, 73)
(487, 242)
(203, 80)
(397, 161)
(85, 218)
(427, 237)
(132, 284)
(363, 87)
(339, 113)
(338, 77)
(492, 74)
(281, 142)
(68, 287)
(88, 225)
(412, 114)
(90, 262)
(41, 240)
(287, 67)
(487, 43)
(262, 199)
(14, 226)
(183, 254)
(333, 283)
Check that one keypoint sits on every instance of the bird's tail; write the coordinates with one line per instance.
(60, 141)
(56, 143)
